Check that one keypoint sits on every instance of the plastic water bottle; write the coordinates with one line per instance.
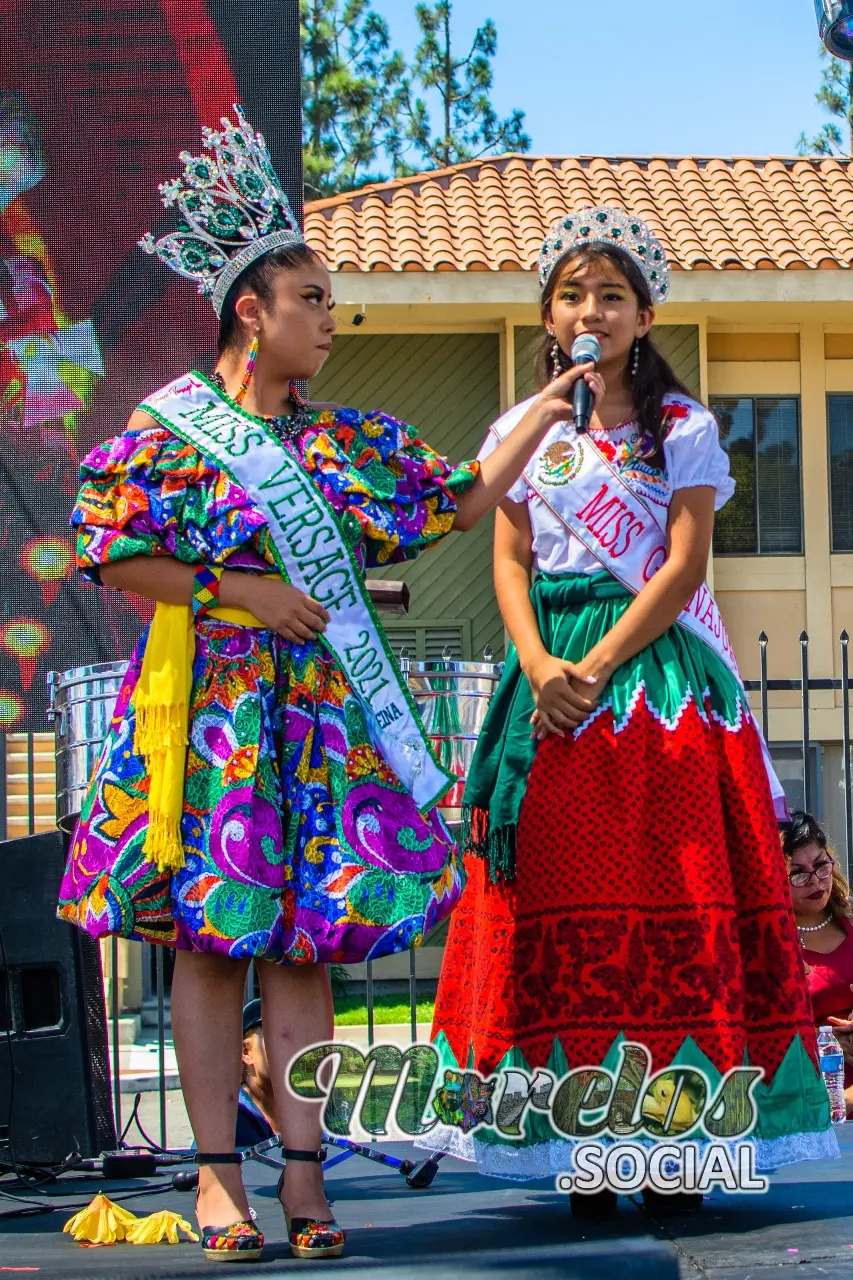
(832, 1070)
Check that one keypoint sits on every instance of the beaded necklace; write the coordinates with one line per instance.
(812, 928)
(285, 427)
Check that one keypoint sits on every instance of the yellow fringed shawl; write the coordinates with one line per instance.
(161, 701)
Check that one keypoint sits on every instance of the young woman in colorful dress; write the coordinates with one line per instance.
(624, 877)
(266, 790)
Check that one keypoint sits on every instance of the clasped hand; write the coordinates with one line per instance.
(565, 694)
(286, 610)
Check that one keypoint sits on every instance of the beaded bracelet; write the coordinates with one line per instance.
(205, 589)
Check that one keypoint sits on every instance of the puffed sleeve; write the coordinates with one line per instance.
(402, 493)
(148, 493)
(693, 453)
(115, 514)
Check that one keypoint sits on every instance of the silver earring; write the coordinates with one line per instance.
(556, 358)
(636, 362)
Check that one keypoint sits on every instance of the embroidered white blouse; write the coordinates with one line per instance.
(692, 454)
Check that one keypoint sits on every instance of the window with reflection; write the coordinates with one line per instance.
(761, 435)
(841, 470)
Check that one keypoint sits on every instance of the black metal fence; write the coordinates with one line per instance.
(805, 685)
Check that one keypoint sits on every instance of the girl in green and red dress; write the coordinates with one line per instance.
(625, 880)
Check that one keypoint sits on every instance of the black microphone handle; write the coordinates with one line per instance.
(582, 402)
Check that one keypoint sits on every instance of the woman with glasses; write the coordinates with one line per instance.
(824, 915)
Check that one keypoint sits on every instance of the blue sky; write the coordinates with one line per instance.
(700, 77)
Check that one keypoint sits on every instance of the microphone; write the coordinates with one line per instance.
(585, 350)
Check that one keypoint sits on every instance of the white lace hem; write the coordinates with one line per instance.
(546, 1159)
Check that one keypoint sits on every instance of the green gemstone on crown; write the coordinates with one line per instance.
(194, 258)
(249, 184)
(567, 225)
(585, 231)
(225, 219)
(200, 171)
(602, 217)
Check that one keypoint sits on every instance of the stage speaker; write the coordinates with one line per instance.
(54, 1068)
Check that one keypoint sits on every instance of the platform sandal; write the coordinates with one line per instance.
(309, 1237)
(241, 1241)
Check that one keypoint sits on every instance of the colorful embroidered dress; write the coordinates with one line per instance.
(626, 883)
(300, 844)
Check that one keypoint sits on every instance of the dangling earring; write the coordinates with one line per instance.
(556, 358)
(249, 370)
(636, 362)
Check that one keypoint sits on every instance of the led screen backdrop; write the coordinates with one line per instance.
(96, 102)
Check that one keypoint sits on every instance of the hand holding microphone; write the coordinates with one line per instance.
(586, 350)
(575, 393)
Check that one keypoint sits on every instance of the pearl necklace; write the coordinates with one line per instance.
(813, 928)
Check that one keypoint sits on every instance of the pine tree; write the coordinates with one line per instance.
(469, 125)
(836, 95)
(351, 83)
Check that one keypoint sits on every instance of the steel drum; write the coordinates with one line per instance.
(81, 707)
(453, 698)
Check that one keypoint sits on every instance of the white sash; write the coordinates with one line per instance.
(312, 554)
(626, 536)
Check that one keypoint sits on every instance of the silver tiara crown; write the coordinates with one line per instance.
(603, 225)
(233, 207)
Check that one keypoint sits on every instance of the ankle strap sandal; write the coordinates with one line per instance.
(309, 1237)
(238, 1242)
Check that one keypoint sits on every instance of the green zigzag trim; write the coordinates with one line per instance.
(796, 1091)
(795, 1101)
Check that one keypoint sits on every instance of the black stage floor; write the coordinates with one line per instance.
(466, 1225)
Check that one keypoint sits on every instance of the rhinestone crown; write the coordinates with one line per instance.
(233, 206)
(603, 225)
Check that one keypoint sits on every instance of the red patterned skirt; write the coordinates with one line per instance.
(638, 892)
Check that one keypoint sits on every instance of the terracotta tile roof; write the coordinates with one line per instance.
(491, 215)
